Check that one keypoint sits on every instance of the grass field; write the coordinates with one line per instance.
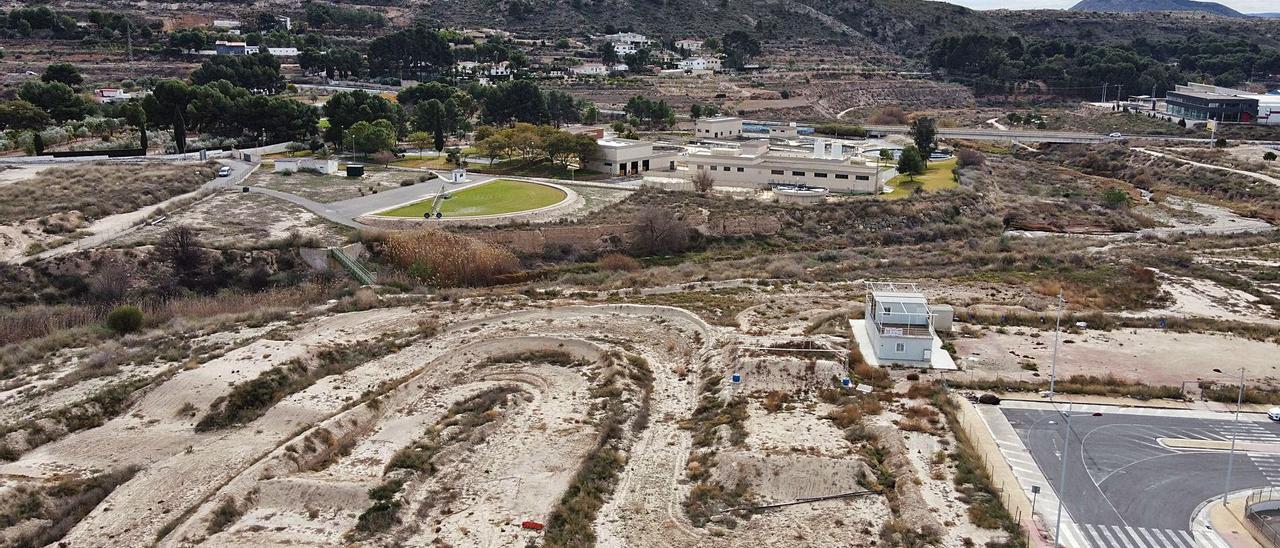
(936, 177)
(492, 198)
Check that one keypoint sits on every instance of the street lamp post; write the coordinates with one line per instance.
(1057, 329)
(1235, 431)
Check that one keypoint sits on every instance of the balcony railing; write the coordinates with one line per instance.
(904, 330)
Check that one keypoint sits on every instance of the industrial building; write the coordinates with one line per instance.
(623, 157)
(717, 127)
(1198, 102)
(757, 164)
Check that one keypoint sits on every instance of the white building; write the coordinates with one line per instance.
(635, 40)
(590, 69)
(111, 95)
(226, 24)
(283, 52)
(621, 157)
(500, 69)
(690, 45)
(757, 164)
(699, 63)
(899, 327)
(717, 127)
(294, 165)
(619, 67)
(623, 48)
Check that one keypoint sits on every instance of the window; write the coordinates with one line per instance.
(740, 170)
(888, 310)
(863, 177)
(713, 168)
(777, 172)
(900, 347)
(841, 176)
(820, 175)
(798, 173)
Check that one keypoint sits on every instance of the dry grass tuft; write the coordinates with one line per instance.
(446, 259)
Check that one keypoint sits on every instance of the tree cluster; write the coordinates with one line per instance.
(532, 142)
(321, 14)
(412, 53)
(649, 113)
(257, 72)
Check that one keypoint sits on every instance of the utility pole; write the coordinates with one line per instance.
(1120, 93)
(1062, 475)
(1057, 330)
(1235, 431)
(1105, 85)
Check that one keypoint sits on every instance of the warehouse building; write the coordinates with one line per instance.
(757, 164)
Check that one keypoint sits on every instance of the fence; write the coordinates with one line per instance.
(1259, 504)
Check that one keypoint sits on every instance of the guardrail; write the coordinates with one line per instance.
(1259, 501)
(357, 270)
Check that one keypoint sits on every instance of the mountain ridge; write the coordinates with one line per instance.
(1143, 6)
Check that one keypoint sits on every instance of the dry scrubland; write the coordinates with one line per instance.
(585, 384)
(46, 207)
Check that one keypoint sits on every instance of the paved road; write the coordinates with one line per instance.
(1125, 489)
(345, 212)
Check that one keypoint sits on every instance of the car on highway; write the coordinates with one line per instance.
(224, 171)
(1115, 135)
(1274, 414)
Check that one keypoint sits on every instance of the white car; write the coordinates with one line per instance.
(224, 171)
(1274, 413)
(1115, 135)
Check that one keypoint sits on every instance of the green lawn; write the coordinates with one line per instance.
(492, 198)
(936, 177)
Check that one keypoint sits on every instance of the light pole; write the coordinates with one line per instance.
(1062, 475)
(1235, 431)
(1057, 329)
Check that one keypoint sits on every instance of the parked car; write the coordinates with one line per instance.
(224, 171)
(1115, 135)
(1274, 413)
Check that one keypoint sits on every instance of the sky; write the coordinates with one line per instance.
(1244, 6)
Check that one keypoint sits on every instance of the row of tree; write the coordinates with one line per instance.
(533, 143)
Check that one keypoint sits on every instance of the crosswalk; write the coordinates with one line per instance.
(1112, 536)
(1269, 465)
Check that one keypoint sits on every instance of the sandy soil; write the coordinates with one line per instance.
(1147, 355)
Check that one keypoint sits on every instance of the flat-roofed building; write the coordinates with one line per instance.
(623, 157)
(899, 323)
(717, 127)
(756, 164)
(1198, 105)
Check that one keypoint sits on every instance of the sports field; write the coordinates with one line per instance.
(492, 198)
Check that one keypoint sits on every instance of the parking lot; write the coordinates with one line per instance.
(1126, 488)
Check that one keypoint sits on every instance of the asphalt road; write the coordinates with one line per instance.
(1124, 488)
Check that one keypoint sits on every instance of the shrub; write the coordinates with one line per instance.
(619, 263)
(124, 319)
(1269, 156)
(969, 157)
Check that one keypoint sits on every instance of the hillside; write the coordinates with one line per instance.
(1123, 28)
(904, 27)
(1143, 6)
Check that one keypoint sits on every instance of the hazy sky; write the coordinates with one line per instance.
(1246, 6)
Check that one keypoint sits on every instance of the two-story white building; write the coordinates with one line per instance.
(899, 327)
(637, 41)
(689, 44)
(699, 63)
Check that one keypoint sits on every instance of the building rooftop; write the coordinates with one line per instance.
(719, 119)
(618, 142)
(1212, 96)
